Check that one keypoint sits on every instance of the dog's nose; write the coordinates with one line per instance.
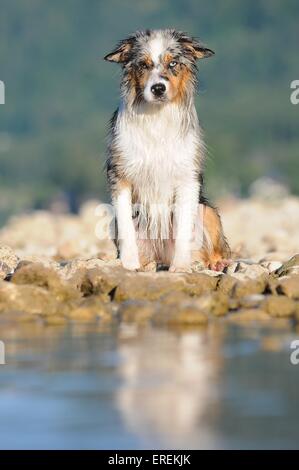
(158, 89)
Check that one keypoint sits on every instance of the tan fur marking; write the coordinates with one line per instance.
(219, 246)
(179, 84)
(139, 78)
(119, 185)
(167, 59)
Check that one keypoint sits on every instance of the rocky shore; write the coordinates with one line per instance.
(54, 270)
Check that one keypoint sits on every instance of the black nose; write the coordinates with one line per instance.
(158, 89)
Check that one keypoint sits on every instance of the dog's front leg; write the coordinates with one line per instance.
(186, 202)
(126, 230)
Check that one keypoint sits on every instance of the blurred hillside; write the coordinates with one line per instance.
(60, 94)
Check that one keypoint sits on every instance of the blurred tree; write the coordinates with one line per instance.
(60, 94)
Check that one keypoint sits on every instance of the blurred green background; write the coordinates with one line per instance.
(60, 93)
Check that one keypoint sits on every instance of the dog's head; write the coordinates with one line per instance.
(159, 65)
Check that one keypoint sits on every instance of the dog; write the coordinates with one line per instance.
(156, 156)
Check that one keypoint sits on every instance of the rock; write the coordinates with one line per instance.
(266, 188)
(210, 303)
(251, 301)
(186, 313)
(38, 275)
(271, 266)
(69, 269)
(232, 268)
(4, 270)
(279, 306)
(198, 266)
(275, 256)
(79, 280)
(71, 249)
(250, 222)
(249, 316)
(214, 303)
(289, 286)
(249, 287)
(63, 236)
(240, 277)
(147, 286)
(290, 267)
(88, 212)
(30, 299)
(226, 284)
(272, 284)
(108, 251)
(200, 283)
(233, 303)
(106, 279)
(248, 269)
(211, 272)
(43, 260)
(149, 267)
(8, 261)
(152, 286)
(175, 298)
(68, 250)
(136, 311)
(30, 231)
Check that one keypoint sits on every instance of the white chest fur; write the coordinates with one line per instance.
(159, 148)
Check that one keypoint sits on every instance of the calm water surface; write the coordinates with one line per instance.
(89, 387)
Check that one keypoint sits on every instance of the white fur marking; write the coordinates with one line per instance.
(158, 158)
(156, 48)
(126, 230)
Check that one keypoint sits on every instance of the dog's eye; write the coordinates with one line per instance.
(143, 65)
(172, 64)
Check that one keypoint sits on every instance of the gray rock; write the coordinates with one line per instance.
(290, 267)
(8, 261)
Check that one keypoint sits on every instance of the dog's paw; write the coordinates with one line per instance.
(219, 265)
(131, 265)
(181, 263)
(130, 261)
(149, 267)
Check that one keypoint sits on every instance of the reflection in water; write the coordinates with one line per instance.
(169, 385)
(100, 386)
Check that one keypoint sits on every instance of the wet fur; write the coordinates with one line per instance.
(156, 153)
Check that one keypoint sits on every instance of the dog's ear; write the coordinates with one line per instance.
(194, 48)
(121, 54)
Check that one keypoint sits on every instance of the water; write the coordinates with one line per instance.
(93, 387)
